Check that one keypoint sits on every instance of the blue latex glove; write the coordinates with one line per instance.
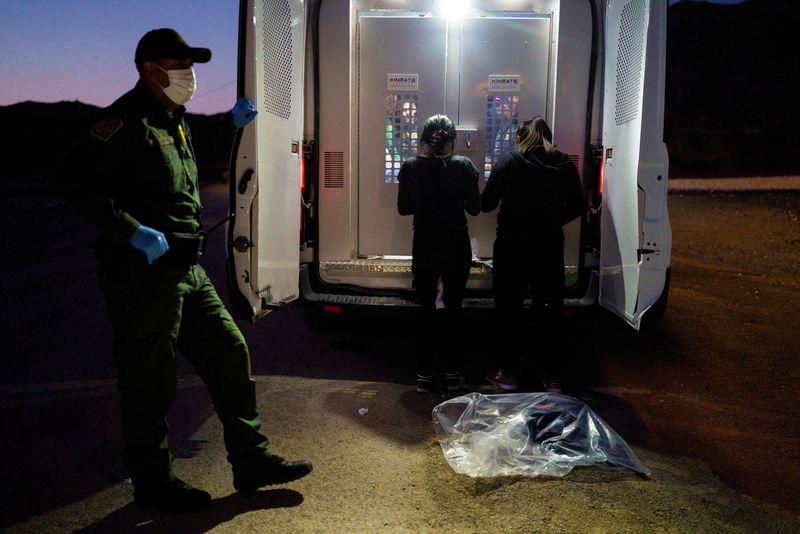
(151, 242)
(243, 112)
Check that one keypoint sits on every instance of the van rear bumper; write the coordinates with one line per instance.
(345, 298)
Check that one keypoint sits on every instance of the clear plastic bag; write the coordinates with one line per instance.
(527, 434)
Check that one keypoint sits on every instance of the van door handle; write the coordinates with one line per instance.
(244, 180)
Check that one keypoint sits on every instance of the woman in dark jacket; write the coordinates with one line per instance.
(436, 187)
(539, 190)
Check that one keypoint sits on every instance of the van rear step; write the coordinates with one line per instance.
(310, 295)
(382, 264)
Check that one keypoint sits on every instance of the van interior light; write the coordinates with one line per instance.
(453, 9)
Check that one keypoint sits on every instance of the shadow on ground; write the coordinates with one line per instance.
(132, 518)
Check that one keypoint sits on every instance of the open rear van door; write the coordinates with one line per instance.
(635, 234)
(263, 238)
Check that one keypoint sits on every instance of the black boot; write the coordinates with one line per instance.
(274, 470)
(174, 496)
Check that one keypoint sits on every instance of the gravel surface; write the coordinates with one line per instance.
(758, 184)
(708, 401)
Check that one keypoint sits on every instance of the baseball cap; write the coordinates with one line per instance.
(167, 43)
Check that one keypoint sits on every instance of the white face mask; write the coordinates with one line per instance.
(182, 83)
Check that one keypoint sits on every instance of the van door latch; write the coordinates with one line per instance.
(241, 244)
(642, 251)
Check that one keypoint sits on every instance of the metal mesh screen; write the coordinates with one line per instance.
(630, 60)
(502, 121)
(401, 133)
(277, 58)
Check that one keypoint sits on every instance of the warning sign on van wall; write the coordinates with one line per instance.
(402, 82)
(504, 83)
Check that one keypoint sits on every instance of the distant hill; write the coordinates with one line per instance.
(731, 102)
(37, 134)
(732, 92)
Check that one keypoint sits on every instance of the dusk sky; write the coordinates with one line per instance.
(54, 50)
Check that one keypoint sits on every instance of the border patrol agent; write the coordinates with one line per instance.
(135, 177)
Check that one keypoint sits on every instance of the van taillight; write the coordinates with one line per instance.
(600, 180)
(597, 196)
(597, 173)
(302, 192)
(307, 188)
(305, 152)
(330, 308)
(303, 169)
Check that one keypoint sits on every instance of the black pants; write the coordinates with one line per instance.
(447, 258)
(529, 338)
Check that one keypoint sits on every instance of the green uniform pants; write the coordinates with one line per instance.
(159, 310)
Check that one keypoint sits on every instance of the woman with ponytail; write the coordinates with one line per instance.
(538, 190)
(436, 187)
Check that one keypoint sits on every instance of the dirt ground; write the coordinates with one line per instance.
(720, 380)
(708, 401)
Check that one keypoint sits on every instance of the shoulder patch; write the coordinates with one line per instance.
(106, 128)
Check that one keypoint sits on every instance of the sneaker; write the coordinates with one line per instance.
(424, 383)
(552, 384)
(174, 496)
(503, 381)
(453, 381)
(275, 470)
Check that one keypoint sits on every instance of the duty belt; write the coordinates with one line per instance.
(185, 249)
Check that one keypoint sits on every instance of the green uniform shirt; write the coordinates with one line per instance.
(136, 167)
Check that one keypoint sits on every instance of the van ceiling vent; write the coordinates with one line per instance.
(333, 170)
(277, 31)
(630, 60)
(576, 160)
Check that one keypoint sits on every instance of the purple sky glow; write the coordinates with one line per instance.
(54, 50)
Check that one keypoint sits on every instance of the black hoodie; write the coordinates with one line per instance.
(538, 193)
(437, 191)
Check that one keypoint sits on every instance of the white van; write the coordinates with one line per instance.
(343, 88)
